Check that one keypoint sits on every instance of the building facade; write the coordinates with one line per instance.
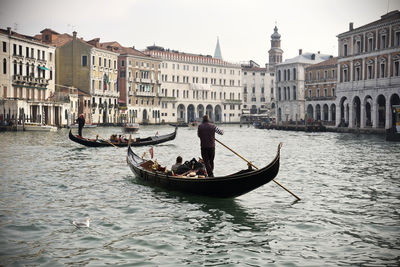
(27, 81)
(94, 71)
(258, 86)
(320, 92)
(368, 73)
(194, 85)
(290, 84)
(139, 85)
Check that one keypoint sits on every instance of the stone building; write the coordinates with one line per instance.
(193, 85)
(320, 91)
(90, 68)
(139, 84)
(27, 80)
(258, 84)
(290, 84)
(368, 73)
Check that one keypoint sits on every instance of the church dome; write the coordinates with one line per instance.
(275, 35)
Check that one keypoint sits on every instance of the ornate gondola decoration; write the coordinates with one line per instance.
(152, 140)
(228, 186)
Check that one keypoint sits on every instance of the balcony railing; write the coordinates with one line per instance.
(149, 94)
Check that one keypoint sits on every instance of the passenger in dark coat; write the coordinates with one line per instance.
(206, 132)
(81, 123)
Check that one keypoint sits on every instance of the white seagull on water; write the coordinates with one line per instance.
(85, 224)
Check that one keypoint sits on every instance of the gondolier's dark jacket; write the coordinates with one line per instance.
(206, 131)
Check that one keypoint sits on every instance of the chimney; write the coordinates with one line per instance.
(9, 30)
(351, 26)
(300, 51)
(133, 47)
(74, 34)
(318, 52)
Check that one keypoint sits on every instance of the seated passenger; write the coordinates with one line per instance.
(178, 163)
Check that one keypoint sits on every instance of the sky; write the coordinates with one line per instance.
(244, 27)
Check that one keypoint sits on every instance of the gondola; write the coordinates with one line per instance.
(152, 140)
(229, 186)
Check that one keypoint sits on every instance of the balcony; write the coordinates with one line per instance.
(18, 56)
(19, 79)
(232, 101)
(146, 94)
(130, 93)
(143, 80)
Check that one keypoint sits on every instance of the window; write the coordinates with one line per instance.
(383, 41)
(396, 68)
(345, 75)
(122, 63)
(369, 72)
(27, 52)
(253, 90)
(396, 40)
(317, 92)
(4, 47)
(358, 47)
(99, 61)
(294, 93)
(279, 75)
(294, 73)
(325, 92)
(370, 45)
(345, 50)
(333, 92)
(20, 50)
(105, 63)
(310, 76)
(382, 70)
(357, 74)
(309, 93)
(84, 61)
(333, 74)
(325, 74)
(279, 93)
(4, 66)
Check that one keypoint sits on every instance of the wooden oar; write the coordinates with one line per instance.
(248, 162)
(102, 138)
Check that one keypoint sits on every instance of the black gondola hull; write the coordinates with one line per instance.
(153, 140)
(221, 187)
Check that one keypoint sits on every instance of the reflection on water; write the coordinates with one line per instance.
(349, 213)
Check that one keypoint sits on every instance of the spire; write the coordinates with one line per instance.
(217, 53)
(275, 53)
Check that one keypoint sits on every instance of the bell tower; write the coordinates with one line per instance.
(275, 53)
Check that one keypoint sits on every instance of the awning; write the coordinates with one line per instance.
(43, 68)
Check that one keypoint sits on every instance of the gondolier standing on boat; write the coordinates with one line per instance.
(206, 132)
(81, 123)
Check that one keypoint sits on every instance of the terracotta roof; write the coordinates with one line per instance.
(329, 62)
(27, 37)
(48, 29)
(118, 48)
(62, 39)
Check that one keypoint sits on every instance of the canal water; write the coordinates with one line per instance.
(349, 213)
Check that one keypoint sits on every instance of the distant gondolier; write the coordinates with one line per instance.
(206, 132)
(81, 123)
